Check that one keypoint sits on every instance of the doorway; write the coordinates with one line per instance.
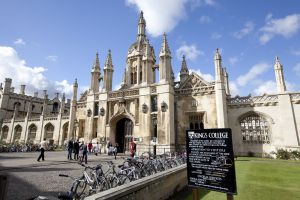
(124, 129)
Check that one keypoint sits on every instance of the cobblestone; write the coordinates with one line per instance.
(28, 178)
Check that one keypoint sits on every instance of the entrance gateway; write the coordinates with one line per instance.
(124, 129)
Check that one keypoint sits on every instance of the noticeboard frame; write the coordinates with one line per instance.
(230, 177)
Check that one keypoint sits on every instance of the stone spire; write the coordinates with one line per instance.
(141, 26)
(226, 81)
(96, 75)
(220, 92)
(96, 66)
(108, 62)
(148, 54)
(218, 65)
(108, 73)
(281, 88)
(184, 71)
(165, 66)
(165, 50)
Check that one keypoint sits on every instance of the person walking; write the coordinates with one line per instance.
(76, 150)
(90, 147)
(115, 150)
(43, 147)
(70, 149)
(83, 151)
(132, 148)
(96, 149)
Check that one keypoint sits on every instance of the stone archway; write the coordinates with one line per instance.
(123, 135)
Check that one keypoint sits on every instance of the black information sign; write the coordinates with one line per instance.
(210, 160)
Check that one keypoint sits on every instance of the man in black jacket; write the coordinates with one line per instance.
(70, 149)
(76, 150)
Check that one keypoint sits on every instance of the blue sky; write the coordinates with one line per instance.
(47, 44)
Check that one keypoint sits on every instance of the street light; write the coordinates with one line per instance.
(76, 124)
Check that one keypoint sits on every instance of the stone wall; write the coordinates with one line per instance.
(159, 186)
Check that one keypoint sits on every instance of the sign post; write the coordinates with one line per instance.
(210, 161)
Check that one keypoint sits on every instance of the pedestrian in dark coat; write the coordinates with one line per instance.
(76, 150)
(70, 149)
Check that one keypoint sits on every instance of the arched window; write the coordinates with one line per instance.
(201, 125)
(5, 130)
(191, 126)
(49, 130)
(32, 132)
(196, 126)
(55, 107)
(18, 131)
(255, 129)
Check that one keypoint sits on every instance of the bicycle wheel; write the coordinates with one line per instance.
(103, 184)
(113, 180)
(123, 179)
(81, 189)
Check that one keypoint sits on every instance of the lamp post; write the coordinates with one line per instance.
(75, 125)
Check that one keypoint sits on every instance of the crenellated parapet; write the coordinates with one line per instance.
(264, 100)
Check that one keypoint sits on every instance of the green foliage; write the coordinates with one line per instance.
(287, 154)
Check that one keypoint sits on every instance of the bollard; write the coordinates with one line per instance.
(3, 186)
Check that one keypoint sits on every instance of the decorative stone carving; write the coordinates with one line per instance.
(89, 112)
(164, 106)
(102, 111)
(144, 108)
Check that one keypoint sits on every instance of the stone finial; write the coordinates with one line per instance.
(12, 89)
(184, 68)
(56, 95)
(165, 50)
(218, 55)
(75, 83)
(96, 66)
(108, 62)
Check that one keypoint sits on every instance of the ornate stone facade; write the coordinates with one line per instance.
(154, 111)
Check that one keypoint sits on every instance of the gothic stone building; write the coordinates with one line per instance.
(145, 108)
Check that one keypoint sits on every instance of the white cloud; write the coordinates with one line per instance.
(267, 87)
(255, 70)
(20, 42)
(216, 36)
(204, 19)
(270, 87)
(297, 69)
(12, 66)
(248, 28)
(161, 16)
(286, 27)
(207, 77)
(191, 52)
(52, 58)
(233, 88)
(233, 60)
(198, 3)
(296, 52)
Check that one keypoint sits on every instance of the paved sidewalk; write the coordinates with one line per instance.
(28, 178)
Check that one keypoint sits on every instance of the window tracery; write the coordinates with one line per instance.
(255, 129)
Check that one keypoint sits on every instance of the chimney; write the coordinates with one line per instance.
(12, 89)
(35, 94)
(22, 89)
(56, 95)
